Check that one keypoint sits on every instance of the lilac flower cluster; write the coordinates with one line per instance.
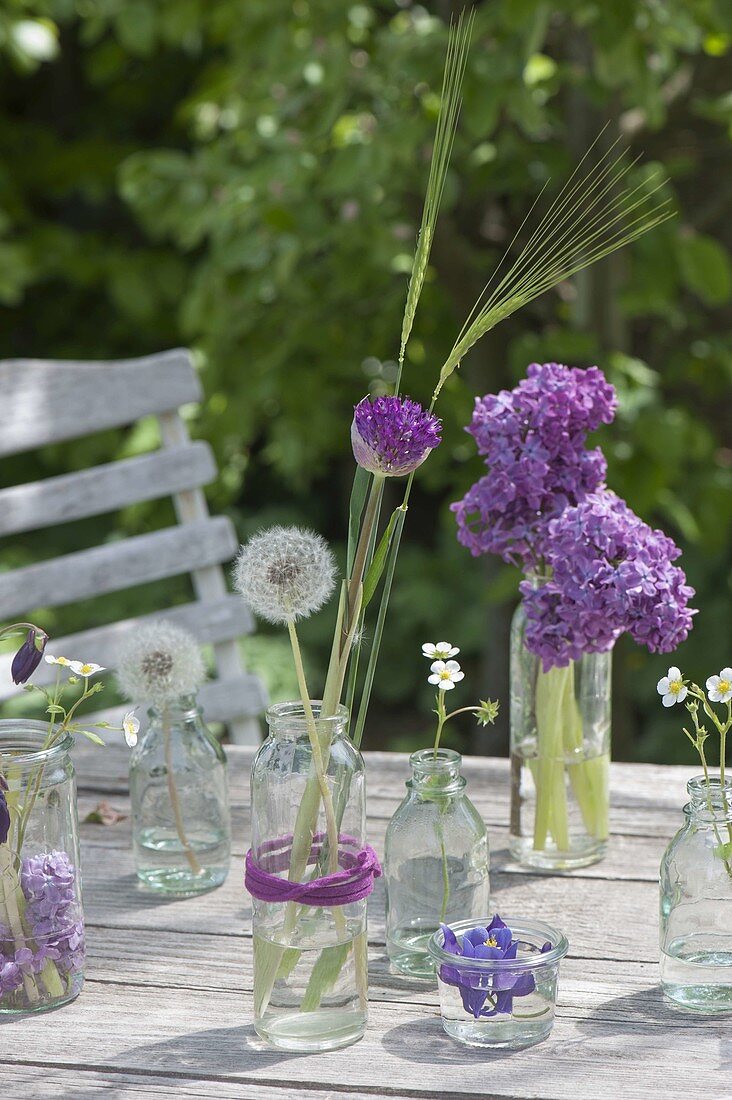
(533, 439)
(608, 572)
(48, 883)
(392, 436)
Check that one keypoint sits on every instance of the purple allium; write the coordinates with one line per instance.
(52, 910)
(28, 657)
(533, 439)
(609, 573)
(477, 985)
(392, 436)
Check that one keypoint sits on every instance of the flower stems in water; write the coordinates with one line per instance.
(173, 795)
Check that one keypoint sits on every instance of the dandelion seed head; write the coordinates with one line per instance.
(160, 662)
(285, 573)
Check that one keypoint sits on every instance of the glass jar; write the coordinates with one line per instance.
(696, 902)
(181, 830)
(502, 1003)
(436, 860)
(41, 914)
(560, 757)
(310, 964)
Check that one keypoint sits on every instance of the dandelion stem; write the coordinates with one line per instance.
(331, 827)
(173, 794)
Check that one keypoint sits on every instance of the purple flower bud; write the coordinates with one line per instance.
(392, 436)
(4, 818)
(28, 657)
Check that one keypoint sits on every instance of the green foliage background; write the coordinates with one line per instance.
(246, 179)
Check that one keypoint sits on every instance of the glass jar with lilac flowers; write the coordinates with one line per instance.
(696, 869)
(181, 831)
(593, 570)
(436, 854)
(42, 943)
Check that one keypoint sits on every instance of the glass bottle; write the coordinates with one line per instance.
(181, 830)
(436, 860)
(41, 915)
(560, 757)
(696, 902)
(310, 964)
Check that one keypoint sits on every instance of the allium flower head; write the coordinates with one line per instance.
(392, 436)
(533, 439)
(159, 663)
(285, 573)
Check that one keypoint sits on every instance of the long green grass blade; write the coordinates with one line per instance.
(373, 575)
(359, 492)
(458, 44)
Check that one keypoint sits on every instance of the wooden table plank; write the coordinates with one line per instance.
(167, 1006)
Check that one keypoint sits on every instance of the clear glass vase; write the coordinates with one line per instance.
(41, 914)
(310, 964)
(560, 757)
(436, 860)
(696, 902)
(181, 830)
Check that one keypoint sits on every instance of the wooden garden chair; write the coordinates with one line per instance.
(45, 402)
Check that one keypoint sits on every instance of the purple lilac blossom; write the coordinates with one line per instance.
(609, 573)
(533, 440)
(477, 985)
(52, 909)
(392, 436)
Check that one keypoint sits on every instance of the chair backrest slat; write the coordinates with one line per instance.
(221, 701)
(107, 488)
(110, 568)
(45, 401)
(210, 622)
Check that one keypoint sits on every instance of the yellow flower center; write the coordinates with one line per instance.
(491, 941)
(724, 686)
(675, 686)
(445, 674)
(86, 669)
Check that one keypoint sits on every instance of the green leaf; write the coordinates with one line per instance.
(88, 733)
(724, 851)
(361, 482)
(324, 976)
(705, 269)
(373, 576)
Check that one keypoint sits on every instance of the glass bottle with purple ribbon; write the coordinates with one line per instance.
(309, 872)
(41, 915)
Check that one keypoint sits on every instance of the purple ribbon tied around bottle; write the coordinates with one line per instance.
(355, 881)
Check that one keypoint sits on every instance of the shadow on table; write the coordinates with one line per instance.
(229, 1049)
(425, 1043)
(646, 1012)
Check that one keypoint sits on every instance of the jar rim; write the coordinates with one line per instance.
(698, 786)
(21, 733)
(429, 761)
(535, 928)
(292, 712)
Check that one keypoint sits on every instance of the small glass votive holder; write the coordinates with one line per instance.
(500, 1003)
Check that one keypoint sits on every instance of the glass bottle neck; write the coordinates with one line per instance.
(183, 709)
(710, 803)
(289, 720)
(436, 772)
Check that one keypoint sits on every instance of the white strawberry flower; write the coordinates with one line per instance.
(51, 660)
(131, 728)
(85, 668)
(719, 688)
(672, 687)
(445, 674)
(439, 651)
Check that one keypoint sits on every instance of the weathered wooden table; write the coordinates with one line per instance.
(167, 1004)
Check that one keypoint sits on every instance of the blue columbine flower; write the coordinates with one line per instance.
(28, 657)
(477, 985)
